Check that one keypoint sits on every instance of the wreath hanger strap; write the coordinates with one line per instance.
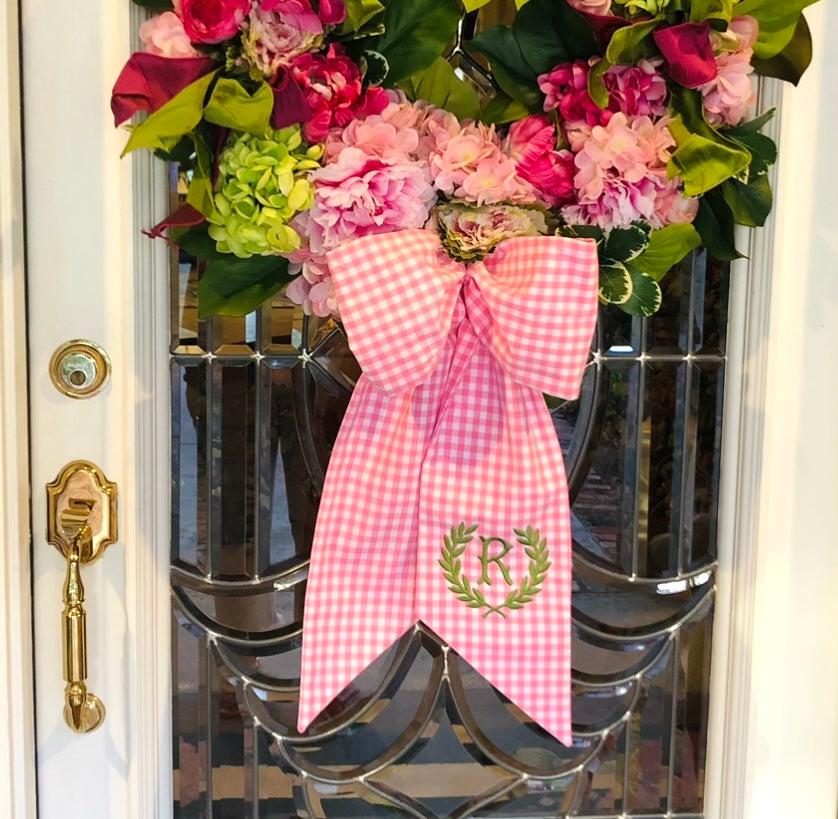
(445, 500)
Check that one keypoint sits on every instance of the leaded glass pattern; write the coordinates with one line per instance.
(256, 405)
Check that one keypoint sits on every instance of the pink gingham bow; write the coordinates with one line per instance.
(445, 499)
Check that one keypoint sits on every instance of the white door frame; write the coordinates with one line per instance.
(774, 712)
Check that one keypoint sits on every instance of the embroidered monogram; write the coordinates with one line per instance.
(455, 543)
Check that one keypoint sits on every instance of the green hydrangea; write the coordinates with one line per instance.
(262, 185)
(652, 7)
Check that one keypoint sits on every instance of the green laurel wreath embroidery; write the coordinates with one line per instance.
(535, 547)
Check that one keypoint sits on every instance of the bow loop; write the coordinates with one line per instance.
(397, 293)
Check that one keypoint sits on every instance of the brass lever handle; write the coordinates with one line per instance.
(83, 711)
(81, 522)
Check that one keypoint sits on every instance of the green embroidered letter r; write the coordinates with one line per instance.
(485, 560)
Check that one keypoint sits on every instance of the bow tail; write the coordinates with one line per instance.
(493, 564)
(360, 595)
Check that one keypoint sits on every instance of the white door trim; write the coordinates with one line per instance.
(17, 712)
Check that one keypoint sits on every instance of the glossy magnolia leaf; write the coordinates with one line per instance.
(358, 14)
(167, 125)
(777, 20)
(667, 246)
(793, 60)
(645, 297)
(701, 10)
(762, 148)
(751, 203)
(235, 287)
(415, 34)
(623, 244)
(502, 109)
(439, 85)
(614, 284)
(510, 69)
(232, 106)
(714, 223)
(632, 43)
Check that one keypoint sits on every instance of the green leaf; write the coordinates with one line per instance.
(156, 5)
(632, 43)
(596, 87)
(236, 287)
(232, 106)
(197, 242)
(473, 5)
(762, 148)
(645, 298)
(793, 60)
(502, 109)
(701, 10)
(439, 85)
(667, 246)
(614, 284)
(751, 203)
(622, 244)
(415, 34)
(374, 67)
(199, 194)
(358, 14)
(777, 20)
(167, 125)
(714, 223)
(705, 158)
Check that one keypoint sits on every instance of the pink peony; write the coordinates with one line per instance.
(165, 36)
(729, 98)
(331, 83)
(531, 144)
(279, 31)
(359, 195)
(212, 21)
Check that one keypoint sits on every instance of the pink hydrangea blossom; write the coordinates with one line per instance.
(639, 90)
(358, 195)
(531, 144)
(621, 170)
(331, 83)
(313, 288)
(165, 36)
(742, 32)
(730, 97)
(212, 21)
(279, 31)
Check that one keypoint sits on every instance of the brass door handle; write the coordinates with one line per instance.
(81, 522)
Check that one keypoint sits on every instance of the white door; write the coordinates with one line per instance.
(83, 209)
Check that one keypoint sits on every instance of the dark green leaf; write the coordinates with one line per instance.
(197, 242)
(582, 232)
(645, 298)
(415, 34)
(155, 5)
(777, 20)
(714, 223)
(750, 204)
(502, 109)
(439, 85)
(793, 60)
(374, 67)
(614, 284)
(235, 287)
(762, 148)
(199, 194)
(623, 244)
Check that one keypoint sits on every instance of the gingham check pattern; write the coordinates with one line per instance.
(448, 425)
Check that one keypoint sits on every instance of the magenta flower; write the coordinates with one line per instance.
(165, 36)
(531, 144)
(566, 89)
(638, 91)
(212, 21)
(331, 83)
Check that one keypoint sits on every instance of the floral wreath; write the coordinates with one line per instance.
(302, 124)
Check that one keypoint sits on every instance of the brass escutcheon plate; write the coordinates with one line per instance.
(82, 495)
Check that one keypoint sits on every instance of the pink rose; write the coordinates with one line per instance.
(331, 83)
(165, 36)
(531, 143)
(279, 31)
(212, 21)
